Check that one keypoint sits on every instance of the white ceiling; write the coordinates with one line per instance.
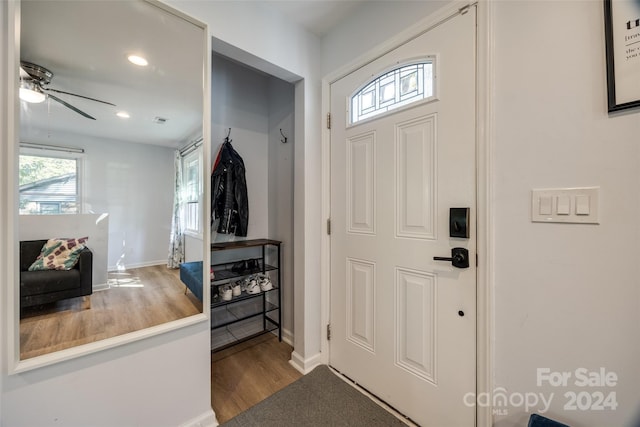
(79, 43)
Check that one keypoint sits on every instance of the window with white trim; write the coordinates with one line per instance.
(397, 88)
(192, 191)
(49, 183)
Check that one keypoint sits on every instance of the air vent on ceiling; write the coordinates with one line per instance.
(159, 120)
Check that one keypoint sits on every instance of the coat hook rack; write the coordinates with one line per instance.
(228, 135)
(284, 141)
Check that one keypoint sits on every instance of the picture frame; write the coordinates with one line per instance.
(622, 43)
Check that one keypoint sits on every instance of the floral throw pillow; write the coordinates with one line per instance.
(59, 254)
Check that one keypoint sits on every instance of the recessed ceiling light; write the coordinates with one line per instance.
(123, 114)
(138, 60)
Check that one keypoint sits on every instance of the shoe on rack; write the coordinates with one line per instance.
(238, 267)
(252, 285)
(226, 293)
(265, 283)
(236, 289)
(253, 264)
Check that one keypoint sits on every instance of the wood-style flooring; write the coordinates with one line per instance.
(136, 299)
(248, 373)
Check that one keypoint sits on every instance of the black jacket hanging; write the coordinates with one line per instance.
(229, 201)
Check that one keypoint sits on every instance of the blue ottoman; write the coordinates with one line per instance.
(191, 275)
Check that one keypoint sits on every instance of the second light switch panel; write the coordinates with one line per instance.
(573, 205)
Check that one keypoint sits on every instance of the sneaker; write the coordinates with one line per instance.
(265, 283)
(236, 289)
(225, 293)
(253, 287)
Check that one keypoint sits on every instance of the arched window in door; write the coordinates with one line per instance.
(409, 83)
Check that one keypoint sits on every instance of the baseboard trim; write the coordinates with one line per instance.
(287, 337)
(129, 266)
(208, 419)
(304, 366)
(100, 287)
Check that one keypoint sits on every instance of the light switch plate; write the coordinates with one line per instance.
(571, 205)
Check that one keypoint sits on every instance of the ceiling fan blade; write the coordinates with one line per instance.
(79, 96)
(82, 113)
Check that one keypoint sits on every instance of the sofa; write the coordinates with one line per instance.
(47, 286)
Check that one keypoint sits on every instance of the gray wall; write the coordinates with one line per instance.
(256, 106)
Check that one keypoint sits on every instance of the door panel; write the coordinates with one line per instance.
(396, 327)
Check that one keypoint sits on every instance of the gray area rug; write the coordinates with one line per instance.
(319, 398)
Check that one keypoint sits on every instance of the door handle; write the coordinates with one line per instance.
(459, 258)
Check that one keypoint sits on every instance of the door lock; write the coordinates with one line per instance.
(459, 222)
(459, 258)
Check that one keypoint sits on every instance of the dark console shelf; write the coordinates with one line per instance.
(246, 315)
(243, 244)
(224, 271)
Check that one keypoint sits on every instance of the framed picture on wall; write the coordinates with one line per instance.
(622, 36)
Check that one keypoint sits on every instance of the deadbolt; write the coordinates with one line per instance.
(459, 222)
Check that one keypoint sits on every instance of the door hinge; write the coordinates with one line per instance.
(328, 332)
(328, 120)
(464, 9)
(329, 226)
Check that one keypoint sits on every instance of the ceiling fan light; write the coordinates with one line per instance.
(123, 114)
(31, 94)
(138, 60)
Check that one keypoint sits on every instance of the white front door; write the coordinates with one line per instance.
(403, 325)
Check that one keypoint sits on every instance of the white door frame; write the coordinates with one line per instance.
(484, 137)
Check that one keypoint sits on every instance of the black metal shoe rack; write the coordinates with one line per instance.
(247, 315)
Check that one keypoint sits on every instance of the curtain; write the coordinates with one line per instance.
(176, 242)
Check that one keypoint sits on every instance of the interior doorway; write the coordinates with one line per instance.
(254, 111)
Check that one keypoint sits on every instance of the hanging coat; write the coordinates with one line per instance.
(229, 201)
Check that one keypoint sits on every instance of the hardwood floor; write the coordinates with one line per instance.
(136, 299)
(247, 373)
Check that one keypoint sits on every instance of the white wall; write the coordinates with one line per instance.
(566, 296)
(8, 119)
(369, 27)
(165, 380)
(240, 101)
(132, 183)
(287, 51)
(281, 181)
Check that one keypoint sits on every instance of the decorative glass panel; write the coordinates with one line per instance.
(394, 89)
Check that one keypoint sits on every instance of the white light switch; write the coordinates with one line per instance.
(546, 205)
(572, 205)
(564, 205)
(582, 205)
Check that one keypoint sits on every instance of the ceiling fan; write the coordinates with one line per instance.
(34, 80)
